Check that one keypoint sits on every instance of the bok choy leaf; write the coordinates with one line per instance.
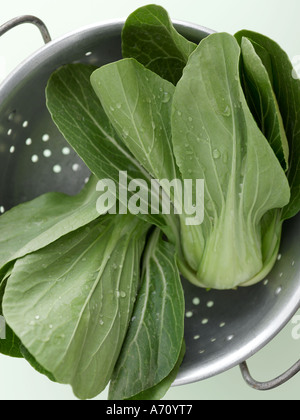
(71, 303)
(78, 114)
(138, 103)
(263, 102)
(158, 391)
(10, 344)
(154, 339)
(217, 139)
(42, 221)
(287, 90)
(150, 37)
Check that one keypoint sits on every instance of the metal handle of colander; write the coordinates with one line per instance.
(26, 19)
(268, 385)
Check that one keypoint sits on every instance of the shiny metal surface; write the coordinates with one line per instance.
(26, 19)
(223, 328)
(273, 383)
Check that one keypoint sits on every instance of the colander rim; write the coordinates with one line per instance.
(116, 23)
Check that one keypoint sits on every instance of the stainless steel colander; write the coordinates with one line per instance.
(223, 328)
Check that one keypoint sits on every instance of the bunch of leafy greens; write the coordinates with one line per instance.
(92, 298)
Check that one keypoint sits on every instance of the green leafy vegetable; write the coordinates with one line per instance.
(287, 91)
(138, 103)
(10, 345)
(215, 138)
(37, 224)
(158, 391)
(154, 339)
(4, 275)
(40, 222)
(212, 124)
(78, 114)
(262, 99)
(150, 37)
(91, 289)
(71, 303)
(76, 111)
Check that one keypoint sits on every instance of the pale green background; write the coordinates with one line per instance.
(275, 18)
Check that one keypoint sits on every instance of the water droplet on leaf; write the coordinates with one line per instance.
(216, 154)
(166, 98)
(226, 112)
